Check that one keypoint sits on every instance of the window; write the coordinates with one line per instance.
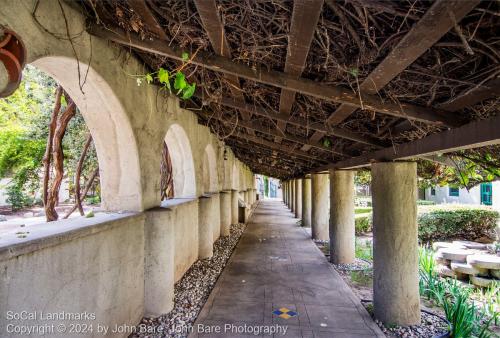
(454, 192)
(433, 191)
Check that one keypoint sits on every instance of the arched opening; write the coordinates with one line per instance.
(210, 178)
(183, 172)
(109, 125)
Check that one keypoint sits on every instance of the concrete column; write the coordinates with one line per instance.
(284, 192)
(298, 198)
(234, 206)
(158, 262)
(292, 196)
(287, 193)
(395, 252)
(319, 206)
(306, 202)
(289, 189)
(215, 211)
(342, 235)
(225, 212)
(205, 231)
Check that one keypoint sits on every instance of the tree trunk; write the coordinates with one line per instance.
(81, 160)
(85, 190)
(48, 149)
(52, 192)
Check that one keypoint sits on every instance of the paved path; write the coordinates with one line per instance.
(276, 265)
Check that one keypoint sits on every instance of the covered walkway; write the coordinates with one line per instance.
(276, 265)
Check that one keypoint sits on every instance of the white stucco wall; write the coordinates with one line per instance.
(473, 196)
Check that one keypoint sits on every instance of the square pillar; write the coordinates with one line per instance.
(342, 231)
(215, 211)
(319, 206)
(306, 202)
(234, 206)
(225, 212)
(205, 227)
(283, 188)
(298, 198)
(158, 262)
(396, 296)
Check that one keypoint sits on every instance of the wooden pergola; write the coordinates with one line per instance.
(362, 122)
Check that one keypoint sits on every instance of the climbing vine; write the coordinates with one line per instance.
(181, 86)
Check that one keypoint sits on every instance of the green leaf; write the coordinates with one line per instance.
(180, 81)
(163, 76)
(149, 78)
(327, 143)
(188, 91)
(185, 56)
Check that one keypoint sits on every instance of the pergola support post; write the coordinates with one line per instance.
(225, 212)
(205, 229)
(306, 201)
(292, 197)
(342, 237)
(234, 206)
(298, 198)
(319, 206)
(395, 255)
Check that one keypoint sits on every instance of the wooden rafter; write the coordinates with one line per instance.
(207, 9)
(489, 90)
(141, 8)
(301, 122)
(472, 135)
(279, 79)
(305, 18)
(272, 132)
(278, 147)
(436, 22)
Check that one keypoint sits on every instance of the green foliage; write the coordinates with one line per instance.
(469, 223)
(363, 223)
(24, 119)
(362, 210)
(184, 89)
(363, 177)
(362, 277)
(466, 319)
(327, 143)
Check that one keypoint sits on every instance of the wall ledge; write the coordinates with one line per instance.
(50, 234)
(175, 202)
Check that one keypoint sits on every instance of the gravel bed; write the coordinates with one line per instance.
(430, 326)
(192, 291)
(359, 264)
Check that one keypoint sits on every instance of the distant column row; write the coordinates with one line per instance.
(325, 202)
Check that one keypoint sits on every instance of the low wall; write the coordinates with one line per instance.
(94, 267)
(185, 221)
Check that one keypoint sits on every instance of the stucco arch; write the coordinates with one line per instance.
(111, 131)
(210, 174)
(181, 155)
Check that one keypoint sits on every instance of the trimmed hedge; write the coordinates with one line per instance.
(469, 224)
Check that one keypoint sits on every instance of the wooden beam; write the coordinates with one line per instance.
(473, 135)
(278, 147)
(301, 122)
(272, 132)
(207, 9)
(140, 7)
(434, 24)
(468, 98)
(305, 18)
(279, 79)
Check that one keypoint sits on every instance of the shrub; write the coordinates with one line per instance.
(467, 224)
(363, 223)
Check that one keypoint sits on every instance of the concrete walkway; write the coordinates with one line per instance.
(277, 266)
